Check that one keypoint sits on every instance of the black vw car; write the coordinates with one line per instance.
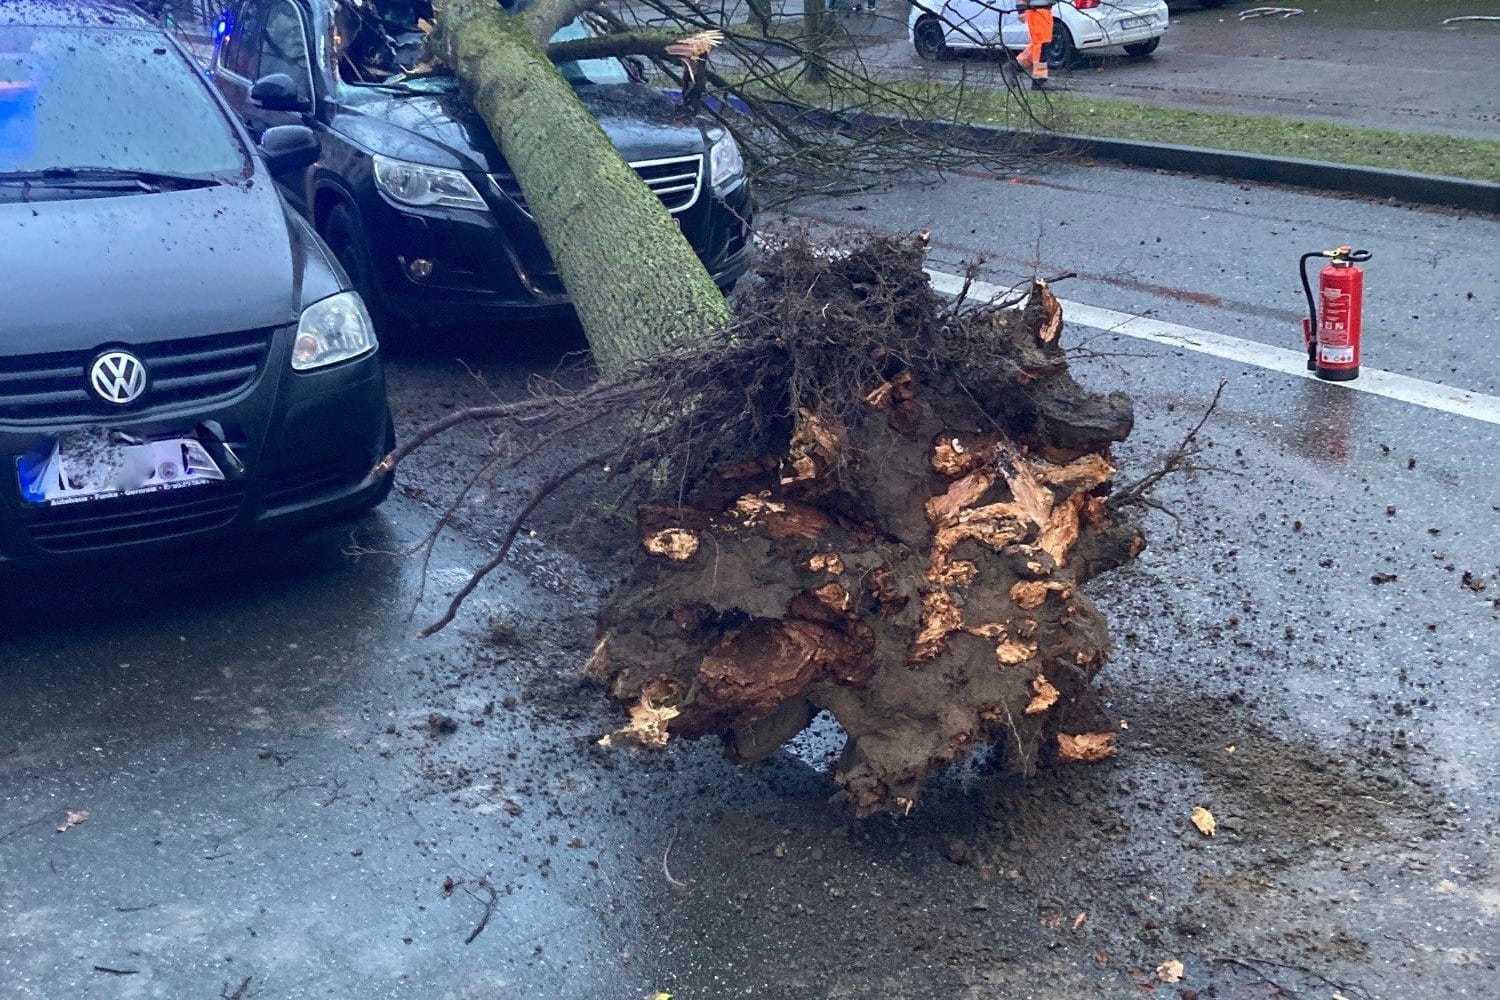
(412, 193)
(180, 356)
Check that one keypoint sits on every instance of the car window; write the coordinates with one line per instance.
(238, 33)
(90, 98)
(283, 47)
(598, 71)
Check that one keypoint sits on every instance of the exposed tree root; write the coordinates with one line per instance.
(866, 501)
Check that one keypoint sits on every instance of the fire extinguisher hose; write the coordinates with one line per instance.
(1312, 304)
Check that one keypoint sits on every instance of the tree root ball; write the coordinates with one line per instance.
(906, 551)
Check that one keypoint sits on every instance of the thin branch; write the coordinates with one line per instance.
(542, 493)
(1179, 459)
(489, 908)
(677, 885)
(633, 43)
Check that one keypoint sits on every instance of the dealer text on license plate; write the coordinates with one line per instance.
(94, 465)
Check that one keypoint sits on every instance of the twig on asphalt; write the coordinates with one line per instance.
(544, 492)
(1253, 962)
(27, 825)
(117, 972)
(677, 886)
(1179, 459)
(1244, 964)
(240, 993)
(338, 793)
(489, 908)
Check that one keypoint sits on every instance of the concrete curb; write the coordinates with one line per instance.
(1371, 182)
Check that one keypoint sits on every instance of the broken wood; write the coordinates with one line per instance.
(911, 562)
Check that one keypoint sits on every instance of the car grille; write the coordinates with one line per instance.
(55, 386)
(676, 181)
(152, 517)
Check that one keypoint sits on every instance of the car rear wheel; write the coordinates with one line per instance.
(927, 39)
(1142, 49)
(1060, 53)
(345, 236)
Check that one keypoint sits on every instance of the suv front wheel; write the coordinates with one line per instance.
(345, 235)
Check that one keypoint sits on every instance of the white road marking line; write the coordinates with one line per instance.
(1446, 398)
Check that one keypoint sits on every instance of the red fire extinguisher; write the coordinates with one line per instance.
(1333, 342)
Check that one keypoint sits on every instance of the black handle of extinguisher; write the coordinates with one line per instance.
(1312, 305)
(1359, 256)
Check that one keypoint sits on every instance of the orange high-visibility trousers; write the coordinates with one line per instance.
(1039, 32)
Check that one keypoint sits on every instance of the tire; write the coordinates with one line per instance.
(1141, 50)
(345, 236)
(1060, 53)
(927, 38)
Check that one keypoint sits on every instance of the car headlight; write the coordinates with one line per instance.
(725, 164)
(414, 184)
(332, 330)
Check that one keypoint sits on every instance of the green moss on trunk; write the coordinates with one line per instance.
(636, 283)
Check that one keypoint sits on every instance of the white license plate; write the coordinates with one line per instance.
(1126, 23)
(98, 465)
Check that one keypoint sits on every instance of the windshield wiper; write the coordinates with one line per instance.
(103, 179)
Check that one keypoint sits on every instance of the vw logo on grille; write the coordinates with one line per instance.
(118, 377)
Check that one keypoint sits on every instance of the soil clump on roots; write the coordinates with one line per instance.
(862, 498)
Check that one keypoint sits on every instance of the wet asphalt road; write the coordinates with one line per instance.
(269, 801)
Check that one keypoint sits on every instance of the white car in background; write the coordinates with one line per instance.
(937, 28)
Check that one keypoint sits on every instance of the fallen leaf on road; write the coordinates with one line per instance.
(1078, 920)
(1086, 747)
(1446, 885)
(1170, 971)
(1204, 821)
(77, 818)
(1045, 697)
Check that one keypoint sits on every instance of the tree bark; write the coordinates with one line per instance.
(637, 285)
(815, 30)
(651, 42)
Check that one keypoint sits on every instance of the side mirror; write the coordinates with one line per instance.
(277, 92)
(289, 148)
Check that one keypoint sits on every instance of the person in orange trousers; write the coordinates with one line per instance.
(1037, 14)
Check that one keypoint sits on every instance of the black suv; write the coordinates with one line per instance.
(412, 193)
(180, 355)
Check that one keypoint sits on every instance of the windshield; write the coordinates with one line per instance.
(108, 99)
(386, 45)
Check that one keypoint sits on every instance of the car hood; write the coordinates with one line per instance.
(152, 267)
(444, 130)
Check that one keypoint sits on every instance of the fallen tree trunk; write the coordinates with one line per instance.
(907, 555)
(637, 285)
